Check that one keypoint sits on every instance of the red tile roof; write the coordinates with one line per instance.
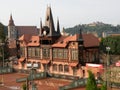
(32, 30)
(21, 59)
(89, 40)
(45, 61)
(34, 41)
(73, 64)
(61, 42)
(25, 38)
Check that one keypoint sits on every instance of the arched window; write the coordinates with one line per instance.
(54, 67)
(60, 68)
(66, 68)
(39, 65)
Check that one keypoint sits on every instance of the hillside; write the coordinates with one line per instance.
(97, 27)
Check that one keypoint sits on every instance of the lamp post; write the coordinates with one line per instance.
(2, 45)
(32, 67)
(107, 67)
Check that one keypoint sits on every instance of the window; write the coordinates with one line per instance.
(29, 51)
(22, 49)
(33, 52)
(74, 71)
(54, 53)
(37, 52)
(87, 56)
(46, 52)
(74, 53)
(60, 68)
(54, 67)
(65, 53)
(35, 41)
(60, 53)
(30, 41)
(39, 64)
(66, 68)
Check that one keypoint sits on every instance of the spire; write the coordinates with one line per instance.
(40, 23)
(49, 21)
(80, 48)
(11, 22)
(58, 27)
(40, 32)
(80, 39)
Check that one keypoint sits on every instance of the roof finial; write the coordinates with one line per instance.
(58, 27)
(40, 32)
(41, 23)
(11, 22)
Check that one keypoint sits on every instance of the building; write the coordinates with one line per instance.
(14, 32)
(106, 34)
(57, 54)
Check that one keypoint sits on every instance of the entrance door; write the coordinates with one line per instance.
(74, 71)
(45, 67)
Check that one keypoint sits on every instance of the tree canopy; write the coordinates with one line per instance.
(91, 83)
(4, 47)
(2, 33)
(113, 42)
(97, 27)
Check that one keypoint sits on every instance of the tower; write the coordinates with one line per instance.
(58, 27)
(49, 22)
(12, 34)
(48, 33)
(80, 48)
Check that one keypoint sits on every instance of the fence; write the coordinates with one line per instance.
(6, 70)
(33, 77)
(74, 84)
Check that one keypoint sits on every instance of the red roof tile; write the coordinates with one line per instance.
(34, 41)
(73, 64)
(25, 38)
(21, 59)
(89, 40)
(61, 42)
(45, 61)
(32, 30)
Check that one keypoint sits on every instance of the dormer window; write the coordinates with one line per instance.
(61, 42)
(30, 41)
(35, 41)
(73, 43)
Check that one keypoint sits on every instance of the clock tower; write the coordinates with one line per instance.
(48, 34)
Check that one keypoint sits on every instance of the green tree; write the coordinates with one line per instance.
(4, 48)
(103, 87)
(2, 32)
(113, 42)
(98, 28)
(24, 86)
(91, 82)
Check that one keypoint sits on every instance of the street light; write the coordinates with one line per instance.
(32, 67)
(2, 45)
(107, 67)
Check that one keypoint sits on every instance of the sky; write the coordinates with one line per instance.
(69, 12)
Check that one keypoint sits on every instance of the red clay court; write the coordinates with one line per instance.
(42, 84)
